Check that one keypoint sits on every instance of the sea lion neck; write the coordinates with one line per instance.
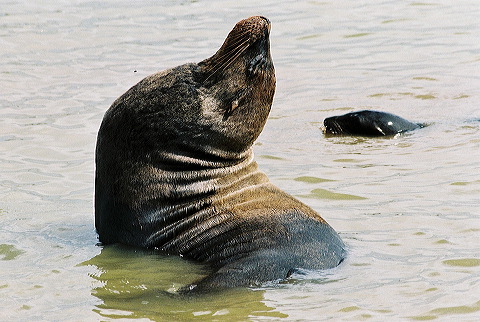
(205, 158)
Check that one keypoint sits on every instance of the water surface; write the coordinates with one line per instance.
(407, 207)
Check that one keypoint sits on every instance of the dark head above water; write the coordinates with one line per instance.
(175, 171)
(368, 123)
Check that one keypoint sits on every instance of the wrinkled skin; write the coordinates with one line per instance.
(175, 171)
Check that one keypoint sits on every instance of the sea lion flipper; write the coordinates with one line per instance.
(252, 270)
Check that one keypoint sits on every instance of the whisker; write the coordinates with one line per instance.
(229, 57)
(225, 64)
(234, 46)
(225, 57)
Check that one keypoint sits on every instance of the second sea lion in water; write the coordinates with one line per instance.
(368, 123)
(175, 171)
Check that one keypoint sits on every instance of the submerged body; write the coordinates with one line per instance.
(368, 123)
(175, 171)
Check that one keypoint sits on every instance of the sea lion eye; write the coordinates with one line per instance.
(229, 110)
(234, 105)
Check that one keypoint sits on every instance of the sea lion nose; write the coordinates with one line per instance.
(267, 21)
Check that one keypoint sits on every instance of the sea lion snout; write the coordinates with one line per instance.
(331, 125)
(255, 25)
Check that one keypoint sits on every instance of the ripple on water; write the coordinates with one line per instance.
(326, 194)
(446, 311)
(462, 262)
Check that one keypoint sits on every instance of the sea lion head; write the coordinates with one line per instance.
(239, 85)
(368, 123)
(349, 124)
(193, 116)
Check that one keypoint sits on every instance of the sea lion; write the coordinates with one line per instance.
(175, 171)
(368, 123)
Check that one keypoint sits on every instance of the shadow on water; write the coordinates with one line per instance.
(136, 283)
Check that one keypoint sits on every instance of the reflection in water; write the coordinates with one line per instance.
(137, 283)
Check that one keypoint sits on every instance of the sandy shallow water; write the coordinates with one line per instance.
(407, 207)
